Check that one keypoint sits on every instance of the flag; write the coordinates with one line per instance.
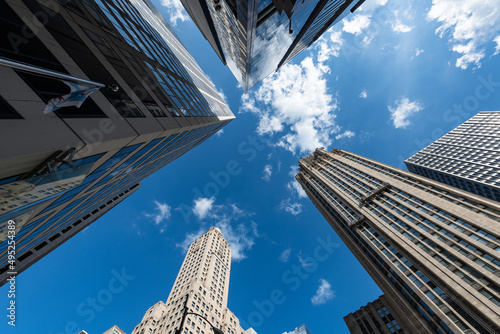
(77, 95)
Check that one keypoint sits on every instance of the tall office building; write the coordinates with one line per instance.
(467, 157)
(430, 247)
(382, 316)
(198, 299)
(114, 330)
(302, 329)
(62, 170)
(256, 37)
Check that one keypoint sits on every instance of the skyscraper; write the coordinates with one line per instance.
(62, 170)
(430, 247)
(382, 316)
(254, 38)
(467, 157)
(198, 299)
(302, 329)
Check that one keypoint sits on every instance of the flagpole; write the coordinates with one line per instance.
(45, 72)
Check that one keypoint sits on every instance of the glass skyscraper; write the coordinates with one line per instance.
(62, 170)
(467, 157)
(254, 38)
(432, 248)
(302, 329)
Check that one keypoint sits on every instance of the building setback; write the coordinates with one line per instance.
(467, 157)
(62, 170)
(382, 316)
(201, 287)
(255, 38)
(430, 247)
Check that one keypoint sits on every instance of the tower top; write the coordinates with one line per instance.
(216, 229)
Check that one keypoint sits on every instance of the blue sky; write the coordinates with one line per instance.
(383, 83)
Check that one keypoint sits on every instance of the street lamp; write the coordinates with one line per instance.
(178, 331)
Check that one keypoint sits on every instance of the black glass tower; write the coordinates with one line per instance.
(254, 38)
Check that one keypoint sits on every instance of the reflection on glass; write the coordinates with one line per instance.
(27, 192)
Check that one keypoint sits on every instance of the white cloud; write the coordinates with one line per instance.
(345, 134)
(175, 11)
(285, 255)
(402, 110)
(289, 206)
(219, 133)
(304, 263)
(363, 94)
(268, 171)
(190, 237)
(370, 6)
(240, 236)
(295, 100)
(398, 27)
(323, 294)
(497, 47)
(202, 206)
(294, 185)
(419, 51)
(329, 46)
(161, 213)
(357, 24)
(472, 24)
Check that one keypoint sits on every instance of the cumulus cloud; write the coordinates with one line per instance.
(175, 11)
(363, 94)
(161, 213)
(402, 110)
(323, 294)
(202, 206)
(472, 25)
(295, 101)
(345, 134)
(419, 52)
(268, 171)
(329, 44)
(291, 207)
(357, 24)
(399, 27)
(228, 218)
(285, 255)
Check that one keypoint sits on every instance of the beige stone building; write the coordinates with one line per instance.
(114, 330)
(382, 316)
(433, 249)
(198, 299)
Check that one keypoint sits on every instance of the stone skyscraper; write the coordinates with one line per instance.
(467, 157)
(201, 287)
(62, 170)
(433, 249)
(381, 316)
(256, 37)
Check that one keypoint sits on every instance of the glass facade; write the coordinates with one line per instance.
(436, 246)
(302, 329)
(468, 157)
(257, 38)
(165, 107)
